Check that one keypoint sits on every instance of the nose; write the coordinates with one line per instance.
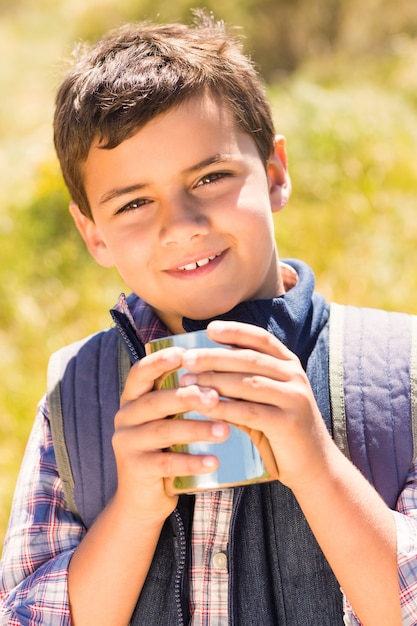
(182, 221)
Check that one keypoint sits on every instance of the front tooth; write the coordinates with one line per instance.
(193, 266)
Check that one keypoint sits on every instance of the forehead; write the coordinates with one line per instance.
(205, 108)
(199, 128)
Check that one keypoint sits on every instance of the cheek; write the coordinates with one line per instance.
(254, 201)
(255, 222)
(128, 239)
(127, 249)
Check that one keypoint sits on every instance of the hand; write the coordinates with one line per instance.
(143, 433)
(268, 392)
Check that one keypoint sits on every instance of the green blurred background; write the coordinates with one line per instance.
(342, 80)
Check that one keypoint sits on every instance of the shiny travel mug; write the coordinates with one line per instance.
(241, 462)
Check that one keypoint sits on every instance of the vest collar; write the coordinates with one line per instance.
(296, 317)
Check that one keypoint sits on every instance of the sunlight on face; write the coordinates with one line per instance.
(183, 210)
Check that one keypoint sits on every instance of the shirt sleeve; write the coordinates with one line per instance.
(406, 527)
(40, 540)
(406, 523)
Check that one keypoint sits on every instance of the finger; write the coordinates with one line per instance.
(160, 404)
(246, 400)
(269, 419)
(248, 336)
(167, 433)
(171, 464)
(269, 386)
(240, 360)
(144, 373)
(249, 387)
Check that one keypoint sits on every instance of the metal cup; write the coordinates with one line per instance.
(244, 458)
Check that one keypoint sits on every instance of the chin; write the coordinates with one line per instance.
(211, 312)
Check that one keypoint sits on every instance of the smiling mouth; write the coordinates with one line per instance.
(193, 266)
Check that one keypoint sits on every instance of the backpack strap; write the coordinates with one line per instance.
(373, 393)
(85, 381)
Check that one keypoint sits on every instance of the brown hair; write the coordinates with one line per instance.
(139, 71)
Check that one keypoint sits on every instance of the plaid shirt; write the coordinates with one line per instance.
(208, 572)
(43, 535)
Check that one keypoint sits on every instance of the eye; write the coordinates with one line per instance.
(133, 205)
(208, 179)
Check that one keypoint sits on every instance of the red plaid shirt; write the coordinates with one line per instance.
(43, 535)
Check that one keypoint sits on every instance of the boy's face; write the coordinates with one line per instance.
(183, 209)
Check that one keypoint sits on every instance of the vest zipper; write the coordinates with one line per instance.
(236, 502)
(127, 333)
(182, 551)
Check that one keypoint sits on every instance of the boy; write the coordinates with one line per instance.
(167, 146)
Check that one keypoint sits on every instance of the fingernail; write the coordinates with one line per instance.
(218, 326)
(207, 396)
(173, 355)
(209, 461)
(188, 379)
(218, 430)
(189, 358)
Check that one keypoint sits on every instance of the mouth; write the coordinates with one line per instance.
(193, 266)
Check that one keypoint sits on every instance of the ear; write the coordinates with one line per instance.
(278, 176)
(92, 236)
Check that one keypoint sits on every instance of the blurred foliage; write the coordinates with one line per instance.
(342, 82)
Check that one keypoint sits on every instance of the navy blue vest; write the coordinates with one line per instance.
(362, 368)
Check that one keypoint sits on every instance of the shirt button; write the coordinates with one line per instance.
(220, 560)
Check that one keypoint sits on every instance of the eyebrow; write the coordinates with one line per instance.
(121, 191)
(212, 160)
